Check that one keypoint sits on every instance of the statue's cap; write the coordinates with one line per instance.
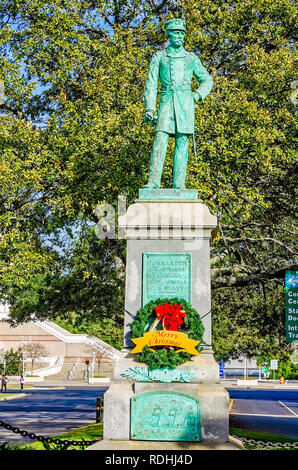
(175, 24)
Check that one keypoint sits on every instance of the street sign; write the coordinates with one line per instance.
(221, 367)
(273, 364)
(291, 300)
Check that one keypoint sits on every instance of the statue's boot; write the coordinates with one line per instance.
(158, 156)
(180, 160)
(151, 185)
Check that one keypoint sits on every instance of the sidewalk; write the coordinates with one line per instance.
(227, 383)
(59, 382)
(272, 384)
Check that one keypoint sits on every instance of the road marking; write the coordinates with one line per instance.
(264, 415)
(231, 404)
(288, 408)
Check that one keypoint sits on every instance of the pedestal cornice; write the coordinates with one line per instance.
(167, 219)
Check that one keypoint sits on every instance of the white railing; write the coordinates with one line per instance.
(68, 337)
(73, 369)
(51, 370)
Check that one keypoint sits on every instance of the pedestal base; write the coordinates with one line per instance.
(233, 444)
(205, 388)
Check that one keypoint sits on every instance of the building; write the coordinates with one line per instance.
(63, 347)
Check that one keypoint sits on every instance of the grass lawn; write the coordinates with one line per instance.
(95, 431)
(5, 395)
(257, 436)
(86, 433)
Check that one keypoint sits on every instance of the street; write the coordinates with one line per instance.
(266, 411)
(49, 412)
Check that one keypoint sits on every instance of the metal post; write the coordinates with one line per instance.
(93, 364)
(87, 372)
(24, 359)
(99, 409)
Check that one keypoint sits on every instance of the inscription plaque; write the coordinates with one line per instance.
(163, 416)
(166, 275)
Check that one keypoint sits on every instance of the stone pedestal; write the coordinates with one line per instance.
(164, 226)
(168, 255)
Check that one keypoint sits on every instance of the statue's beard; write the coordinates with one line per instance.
(177, 43)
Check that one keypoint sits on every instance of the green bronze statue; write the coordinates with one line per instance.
(174, 67)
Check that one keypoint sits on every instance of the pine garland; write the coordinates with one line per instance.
(192, 326)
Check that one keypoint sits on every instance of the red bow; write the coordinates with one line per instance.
(171, 316)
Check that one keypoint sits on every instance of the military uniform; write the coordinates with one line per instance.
(175, 69)
(176, 105)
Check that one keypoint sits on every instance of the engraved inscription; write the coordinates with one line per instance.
(166, 275)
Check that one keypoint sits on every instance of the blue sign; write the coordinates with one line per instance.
(291, 279)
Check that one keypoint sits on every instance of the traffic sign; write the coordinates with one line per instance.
(291, 298)
(273, 364)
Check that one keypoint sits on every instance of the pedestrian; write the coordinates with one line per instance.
(4, 381)
(22, 383)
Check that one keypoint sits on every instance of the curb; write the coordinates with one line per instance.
(14, 397)
(236, 442)
(49, 388)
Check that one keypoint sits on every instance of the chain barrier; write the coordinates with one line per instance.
(64, 442)
(274, 445)
(67, 443)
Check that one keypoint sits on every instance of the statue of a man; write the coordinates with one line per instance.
(174, 67)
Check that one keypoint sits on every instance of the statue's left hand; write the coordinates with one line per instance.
(196, 96)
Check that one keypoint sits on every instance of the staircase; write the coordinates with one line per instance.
(77, 372)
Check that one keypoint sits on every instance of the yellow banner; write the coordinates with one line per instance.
(166, 338)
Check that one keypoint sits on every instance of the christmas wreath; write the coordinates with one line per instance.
(167, 314)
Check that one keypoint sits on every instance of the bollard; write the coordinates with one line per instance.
(99, 409)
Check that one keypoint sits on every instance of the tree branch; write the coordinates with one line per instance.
(232, 280)
(259, 240)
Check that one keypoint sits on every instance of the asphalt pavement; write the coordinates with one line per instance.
(51, 409)
(269, 410)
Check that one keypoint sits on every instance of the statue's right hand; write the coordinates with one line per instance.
(148, 117)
